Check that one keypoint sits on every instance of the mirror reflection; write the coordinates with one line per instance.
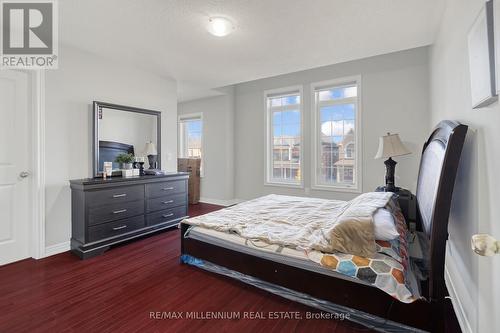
(126, 131)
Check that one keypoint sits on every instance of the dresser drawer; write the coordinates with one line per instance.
(167, 215)
(165, 188)
(115, 211)
(115, 228)
(115, 195)
(166, 202)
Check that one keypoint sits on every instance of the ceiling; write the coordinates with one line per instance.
(272, 37)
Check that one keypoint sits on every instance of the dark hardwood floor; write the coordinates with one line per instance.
(118, 291)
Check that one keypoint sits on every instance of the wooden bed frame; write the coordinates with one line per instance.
(438, 169)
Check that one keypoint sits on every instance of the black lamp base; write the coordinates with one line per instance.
(152, 159)
(390, 166)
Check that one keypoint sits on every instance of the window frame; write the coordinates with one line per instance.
(316, 134)
(268, 158)
(182, 118)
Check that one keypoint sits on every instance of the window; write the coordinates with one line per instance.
(191, 137)
(337, 134)
(349, 150)
(284, 138)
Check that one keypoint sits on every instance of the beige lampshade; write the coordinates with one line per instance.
(150, 149)
(390, 145)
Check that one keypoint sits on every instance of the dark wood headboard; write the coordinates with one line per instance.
(436, 179)
(108, 150)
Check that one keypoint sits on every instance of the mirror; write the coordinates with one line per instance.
(122, 129)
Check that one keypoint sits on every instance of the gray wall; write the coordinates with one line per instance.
(217, 183)
(473, 280)
(395, 98)
(70, 90)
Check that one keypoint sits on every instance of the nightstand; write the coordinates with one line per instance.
(407, 202)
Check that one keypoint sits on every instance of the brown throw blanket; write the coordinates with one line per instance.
(303, 223)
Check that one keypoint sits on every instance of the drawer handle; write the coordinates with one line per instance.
(168, 215)
(120, 227)
(168, 188)
(119, 195)
(119, 211)
(167, 202)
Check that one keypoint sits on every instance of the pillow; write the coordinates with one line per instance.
(353, 231)
(396, 248)
(385, 228)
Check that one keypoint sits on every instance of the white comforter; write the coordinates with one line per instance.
(303, 223)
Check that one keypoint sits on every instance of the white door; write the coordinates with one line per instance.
(15, 178)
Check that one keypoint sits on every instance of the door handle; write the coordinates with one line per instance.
(24, 174)
(485, 245)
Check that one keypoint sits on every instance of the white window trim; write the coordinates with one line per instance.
(183, 117)
(359, 135)
(268, 151)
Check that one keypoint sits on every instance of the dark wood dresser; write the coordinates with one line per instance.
(108, 212)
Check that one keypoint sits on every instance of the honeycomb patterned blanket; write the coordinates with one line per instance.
(388, 270)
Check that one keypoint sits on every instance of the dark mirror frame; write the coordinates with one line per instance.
(98, 106)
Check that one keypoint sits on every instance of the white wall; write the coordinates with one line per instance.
(81, 78)
(395, 98)
(473, 280)
(217, 183)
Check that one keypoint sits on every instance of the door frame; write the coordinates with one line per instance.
(37, 237)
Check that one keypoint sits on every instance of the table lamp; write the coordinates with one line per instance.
(152, 153)
(390, 145)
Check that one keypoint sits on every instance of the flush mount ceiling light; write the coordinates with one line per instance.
(220, 26)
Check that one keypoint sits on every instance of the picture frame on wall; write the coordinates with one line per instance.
(481, 47)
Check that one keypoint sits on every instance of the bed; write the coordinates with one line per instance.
(291, 275)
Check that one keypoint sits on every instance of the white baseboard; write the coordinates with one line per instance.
(56, 249)
(456, 301)
(221, 202)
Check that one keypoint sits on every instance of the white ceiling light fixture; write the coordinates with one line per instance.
(220, 26)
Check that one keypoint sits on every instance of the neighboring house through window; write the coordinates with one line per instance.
(337, 115)
(284, 136)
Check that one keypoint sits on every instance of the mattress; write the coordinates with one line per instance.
(261, 249)
(303, 222)
(350, 268)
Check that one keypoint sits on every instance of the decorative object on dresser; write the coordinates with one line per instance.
(107, 169)
(390, 145)
(127, 173)
(153, 172)
(139, 164)
(125, 161)
(108, 212)
(152, 154)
